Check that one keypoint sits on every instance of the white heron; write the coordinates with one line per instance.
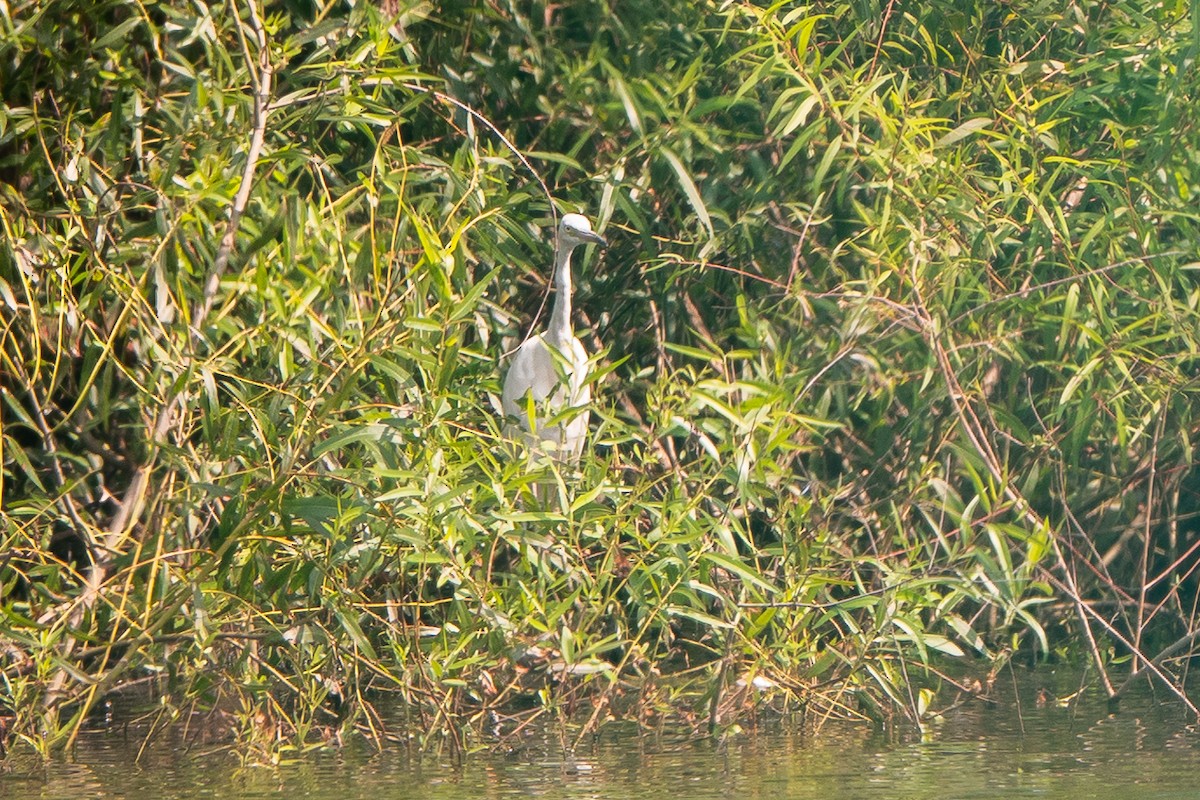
(552, 366)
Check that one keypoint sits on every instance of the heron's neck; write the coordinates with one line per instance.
(559, 329)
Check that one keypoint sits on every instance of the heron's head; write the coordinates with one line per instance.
(575, 229)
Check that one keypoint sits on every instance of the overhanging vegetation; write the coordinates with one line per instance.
(898, 336)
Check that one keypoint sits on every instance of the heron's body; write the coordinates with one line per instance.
(551, 368)
(551, 394)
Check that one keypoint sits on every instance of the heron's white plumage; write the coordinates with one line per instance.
(551, 367)
(535, 372)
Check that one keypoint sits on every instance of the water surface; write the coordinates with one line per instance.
(1014, 749)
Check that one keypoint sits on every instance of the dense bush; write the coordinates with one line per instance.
(896, 343)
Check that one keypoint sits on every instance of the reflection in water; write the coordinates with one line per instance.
(1015, 749)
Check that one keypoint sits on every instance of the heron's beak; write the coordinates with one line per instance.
(595, 238)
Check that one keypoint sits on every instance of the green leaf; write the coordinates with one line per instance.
(740, 569)
(971, 126)
(690, 190)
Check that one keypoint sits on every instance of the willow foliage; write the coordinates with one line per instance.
(897, 345)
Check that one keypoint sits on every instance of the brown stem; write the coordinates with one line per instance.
(133, 499)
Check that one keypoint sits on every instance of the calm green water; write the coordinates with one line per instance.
(1014, 750)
